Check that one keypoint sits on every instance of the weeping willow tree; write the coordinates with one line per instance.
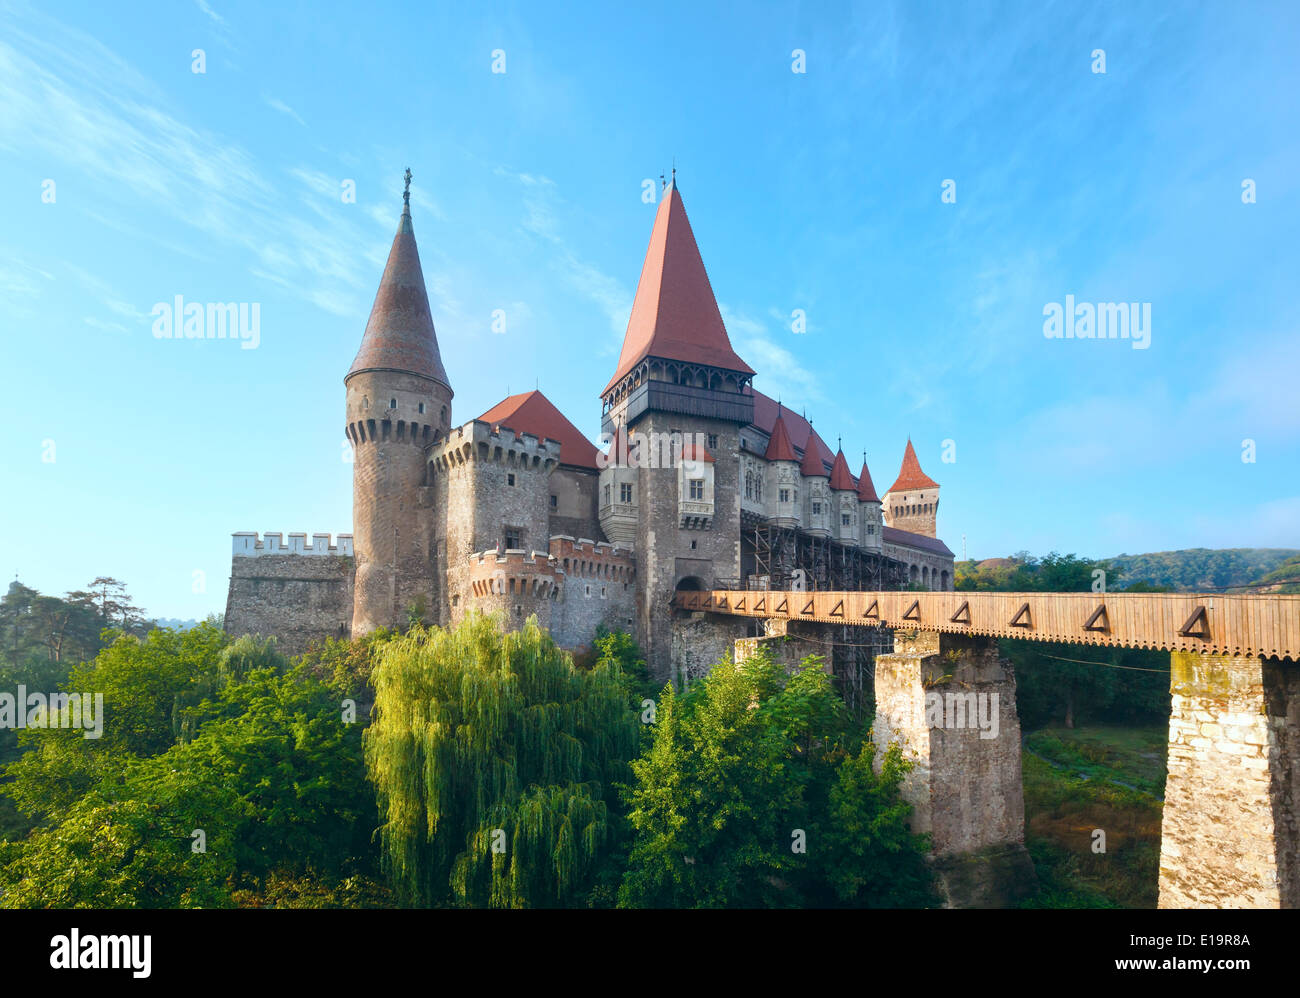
(494, 762)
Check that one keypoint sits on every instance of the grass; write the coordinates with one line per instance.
(1064, 809)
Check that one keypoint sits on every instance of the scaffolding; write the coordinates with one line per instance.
(786, 558)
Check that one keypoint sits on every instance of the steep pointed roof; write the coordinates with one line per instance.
(400, 334)
(812, 463)
(779, 447)
(532, 412)
(766, 409)
(866, 488)
(910, 476)
(840, 476)
(675, 315)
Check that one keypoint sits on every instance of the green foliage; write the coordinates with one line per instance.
(477, 731)
(1203, 568)
(748, 763)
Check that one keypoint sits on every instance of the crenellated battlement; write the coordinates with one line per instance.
(245, 544)
(480, 441)
(588, 559)
(514, 572)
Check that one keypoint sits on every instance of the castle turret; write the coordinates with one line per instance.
(398, 403)
(783, 505)
(844, 501)
(816, 487)
(870, 536)
(912, 502)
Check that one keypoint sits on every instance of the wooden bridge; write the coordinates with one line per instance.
(1266, 625)
(1230, 830)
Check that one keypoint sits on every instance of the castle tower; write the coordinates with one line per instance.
(680, 388)
(870, 535)
(844, 501)
(912, 502)
(816, 486)
(398, 403)
(783, 504)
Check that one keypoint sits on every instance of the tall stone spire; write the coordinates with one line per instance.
(400, 334)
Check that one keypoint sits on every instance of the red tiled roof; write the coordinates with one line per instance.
(866, 489)
(675, 315)
(779, 447)
(532, 412)
(812, 463)
(765, 412)
(910, 475)
(399, 335)
(840, 476)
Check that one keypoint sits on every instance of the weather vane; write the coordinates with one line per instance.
(406, 194)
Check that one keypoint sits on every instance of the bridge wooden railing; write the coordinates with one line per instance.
(1229, 625)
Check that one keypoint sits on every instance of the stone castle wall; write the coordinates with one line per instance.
(296, 592)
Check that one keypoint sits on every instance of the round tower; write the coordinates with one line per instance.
(398, 404)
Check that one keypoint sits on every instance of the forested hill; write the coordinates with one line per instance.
(1204, 568)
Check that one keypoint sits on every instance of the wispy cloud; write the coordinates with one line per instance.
(278, 105)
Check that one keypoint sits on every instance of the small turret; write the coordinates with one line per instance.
(912, 502)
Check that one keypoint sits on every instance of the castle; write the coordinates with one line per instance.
(704, 482)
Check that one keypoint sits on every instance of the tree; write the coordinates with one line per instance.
(493, 760)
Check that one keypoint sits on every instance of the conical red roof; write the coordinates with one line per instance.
(866, 489)
(675, 315)
(910, 476)
(779, 447)
(400, 334)
(840, 476)
(532, 412)
(812, 459)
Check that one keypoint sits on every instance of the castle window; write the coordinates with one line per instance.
(602, 592)
(422, 407)
(713, 441)
(871, 528)
(758, 488)
(392, 403)
(692, 545)
(555, 502)
(510, 479)
(844, 519)
(749, 485)
(817, 509)
(589, 590)
(443, 414)
(513, 538)
(784, 495)
(697, 488)
(625, 492)
(606, 495)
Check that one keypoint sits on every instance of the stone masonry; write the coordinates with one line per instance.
(1229, 834)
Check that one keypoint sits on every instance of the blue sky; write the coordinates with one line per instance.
(818, 191)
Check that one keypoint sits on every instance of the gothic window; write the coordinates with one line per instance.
(844, 519)
(784, 495)
(625, 492)
(758, 487)
(871, 528)
(365, 402)
(749, 485)
(697, 488)
(606, 495)
(817, 509)
(713, 441)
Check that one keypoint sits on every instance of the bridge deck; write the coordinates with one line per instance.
(1231, 625)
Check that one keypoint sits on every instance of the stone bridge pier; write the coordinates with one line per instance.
(950, 702)
(1229, 833)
